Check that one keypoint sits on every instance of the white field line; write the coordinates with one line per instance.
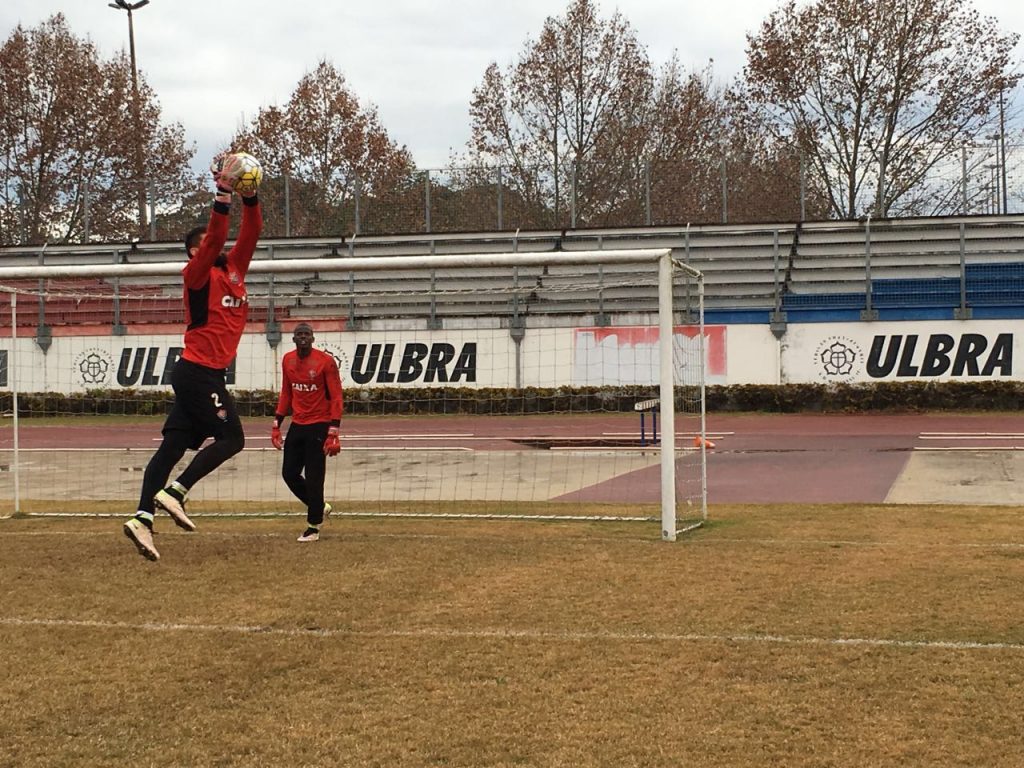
(410, 515)
(643, 540)
(540, 635)
(350, 535)
(866, 544)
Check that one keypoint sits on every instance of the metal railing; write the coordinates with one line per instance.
(978, 180)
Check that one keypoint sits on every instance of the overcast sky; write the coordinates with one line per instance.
(214, 63)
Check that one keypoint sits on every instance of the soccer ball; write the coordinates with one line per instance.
(251, 175)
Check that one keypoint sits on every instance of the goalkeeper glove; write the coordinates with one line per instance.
(275, 436)
(226, 168)
(332, 445)
(222, 195)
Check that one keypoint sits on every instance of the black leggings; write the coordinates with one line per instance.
(202, 408)
(305, 466)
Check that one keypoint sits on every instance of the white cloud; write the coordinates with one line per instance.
(213, 63)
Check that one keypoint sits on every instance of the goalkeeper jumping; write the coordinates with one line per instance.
(216, 308)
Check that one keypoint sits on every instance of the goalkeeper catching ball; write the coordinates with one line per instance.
(216, 308)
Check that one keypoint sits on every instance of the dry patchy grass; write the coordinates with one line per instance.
(796, 636)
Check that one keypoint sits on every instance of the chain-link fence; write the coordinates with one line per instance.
(976, 180)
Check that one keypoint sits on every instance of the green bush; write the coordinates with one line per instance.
(785, 398)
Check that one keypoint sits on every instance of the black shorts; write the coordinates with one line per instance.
(203, 407)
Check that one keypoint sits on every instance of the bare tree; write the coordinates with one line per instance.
(583, 124)
(572, 104)
(332, 150)
(877, 93)
(66, 161)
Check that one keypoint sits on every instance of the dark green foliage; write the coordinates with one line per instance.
(878, 396)
(379, 401)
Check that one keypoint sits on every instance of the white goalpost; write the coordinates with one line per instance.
(501, 385)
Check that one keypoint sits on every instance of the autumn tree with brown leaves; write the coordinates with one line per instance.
(877, 94)
(335, 155)
(582, 123)
(66, 158)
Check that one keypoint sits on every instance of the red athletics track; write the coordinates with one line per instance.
(758, 458)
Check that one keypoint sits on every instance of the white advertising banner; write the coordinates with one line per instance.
(549, 357)
(544, 357)
(411, 358)
(943, 350)
(622, 355)
(752, 355)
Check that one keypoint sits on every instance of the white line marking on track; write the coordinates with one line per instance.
(520, 634)
(950, 448)
(946, 435)
(708, 435)
(971, 437)
(394, 448)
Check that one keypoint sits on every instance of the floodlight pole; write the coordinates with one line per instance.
(1002, 149)
(124, 5)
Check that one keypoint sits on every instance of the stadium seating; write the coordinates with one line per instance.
(811, 272)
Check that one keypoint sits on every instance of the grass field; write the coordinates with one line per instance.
(777, 636)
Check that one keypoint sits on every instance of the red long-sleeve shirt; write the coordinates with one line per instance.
(216, 304)
(310, 387)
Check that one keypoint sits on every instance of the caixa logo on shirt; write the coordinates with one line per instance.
(235, 301)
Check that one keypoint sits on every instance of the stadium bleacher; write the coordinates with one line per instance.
(811, 272)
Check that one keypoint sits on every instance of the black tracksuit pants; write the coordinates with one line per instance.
(305, 466)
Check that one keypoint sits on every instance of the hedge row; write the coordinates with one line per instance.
(786, 398)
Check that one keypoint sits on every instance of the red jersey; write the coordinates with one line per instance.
(310, 387)
(216, 304)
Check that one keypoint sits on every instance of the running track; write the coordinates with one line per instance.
(773, 458)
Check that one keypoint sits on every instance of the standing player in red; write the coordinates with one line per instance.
(311, 390)
(216, 308)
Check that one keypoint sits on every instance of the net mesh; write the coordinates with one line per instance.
(508, 392)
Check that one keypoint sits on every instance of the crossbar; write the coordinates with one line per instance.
(357, 264)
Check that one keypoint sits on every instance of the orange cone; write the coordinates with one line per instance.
(697, 440)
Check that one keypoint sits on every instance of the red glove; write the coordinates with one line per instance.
(332, 445)
(275, 436)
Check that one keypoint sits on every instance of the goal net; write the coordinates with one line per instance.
(554, 385)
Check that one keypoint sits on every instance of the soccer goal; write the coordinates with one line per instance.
(504, 385)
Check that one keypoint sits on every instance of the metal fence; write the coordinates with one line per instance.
(977, 180)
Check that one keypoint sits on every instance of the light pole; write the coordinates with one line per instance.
(1002, 148)
(124, 5)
